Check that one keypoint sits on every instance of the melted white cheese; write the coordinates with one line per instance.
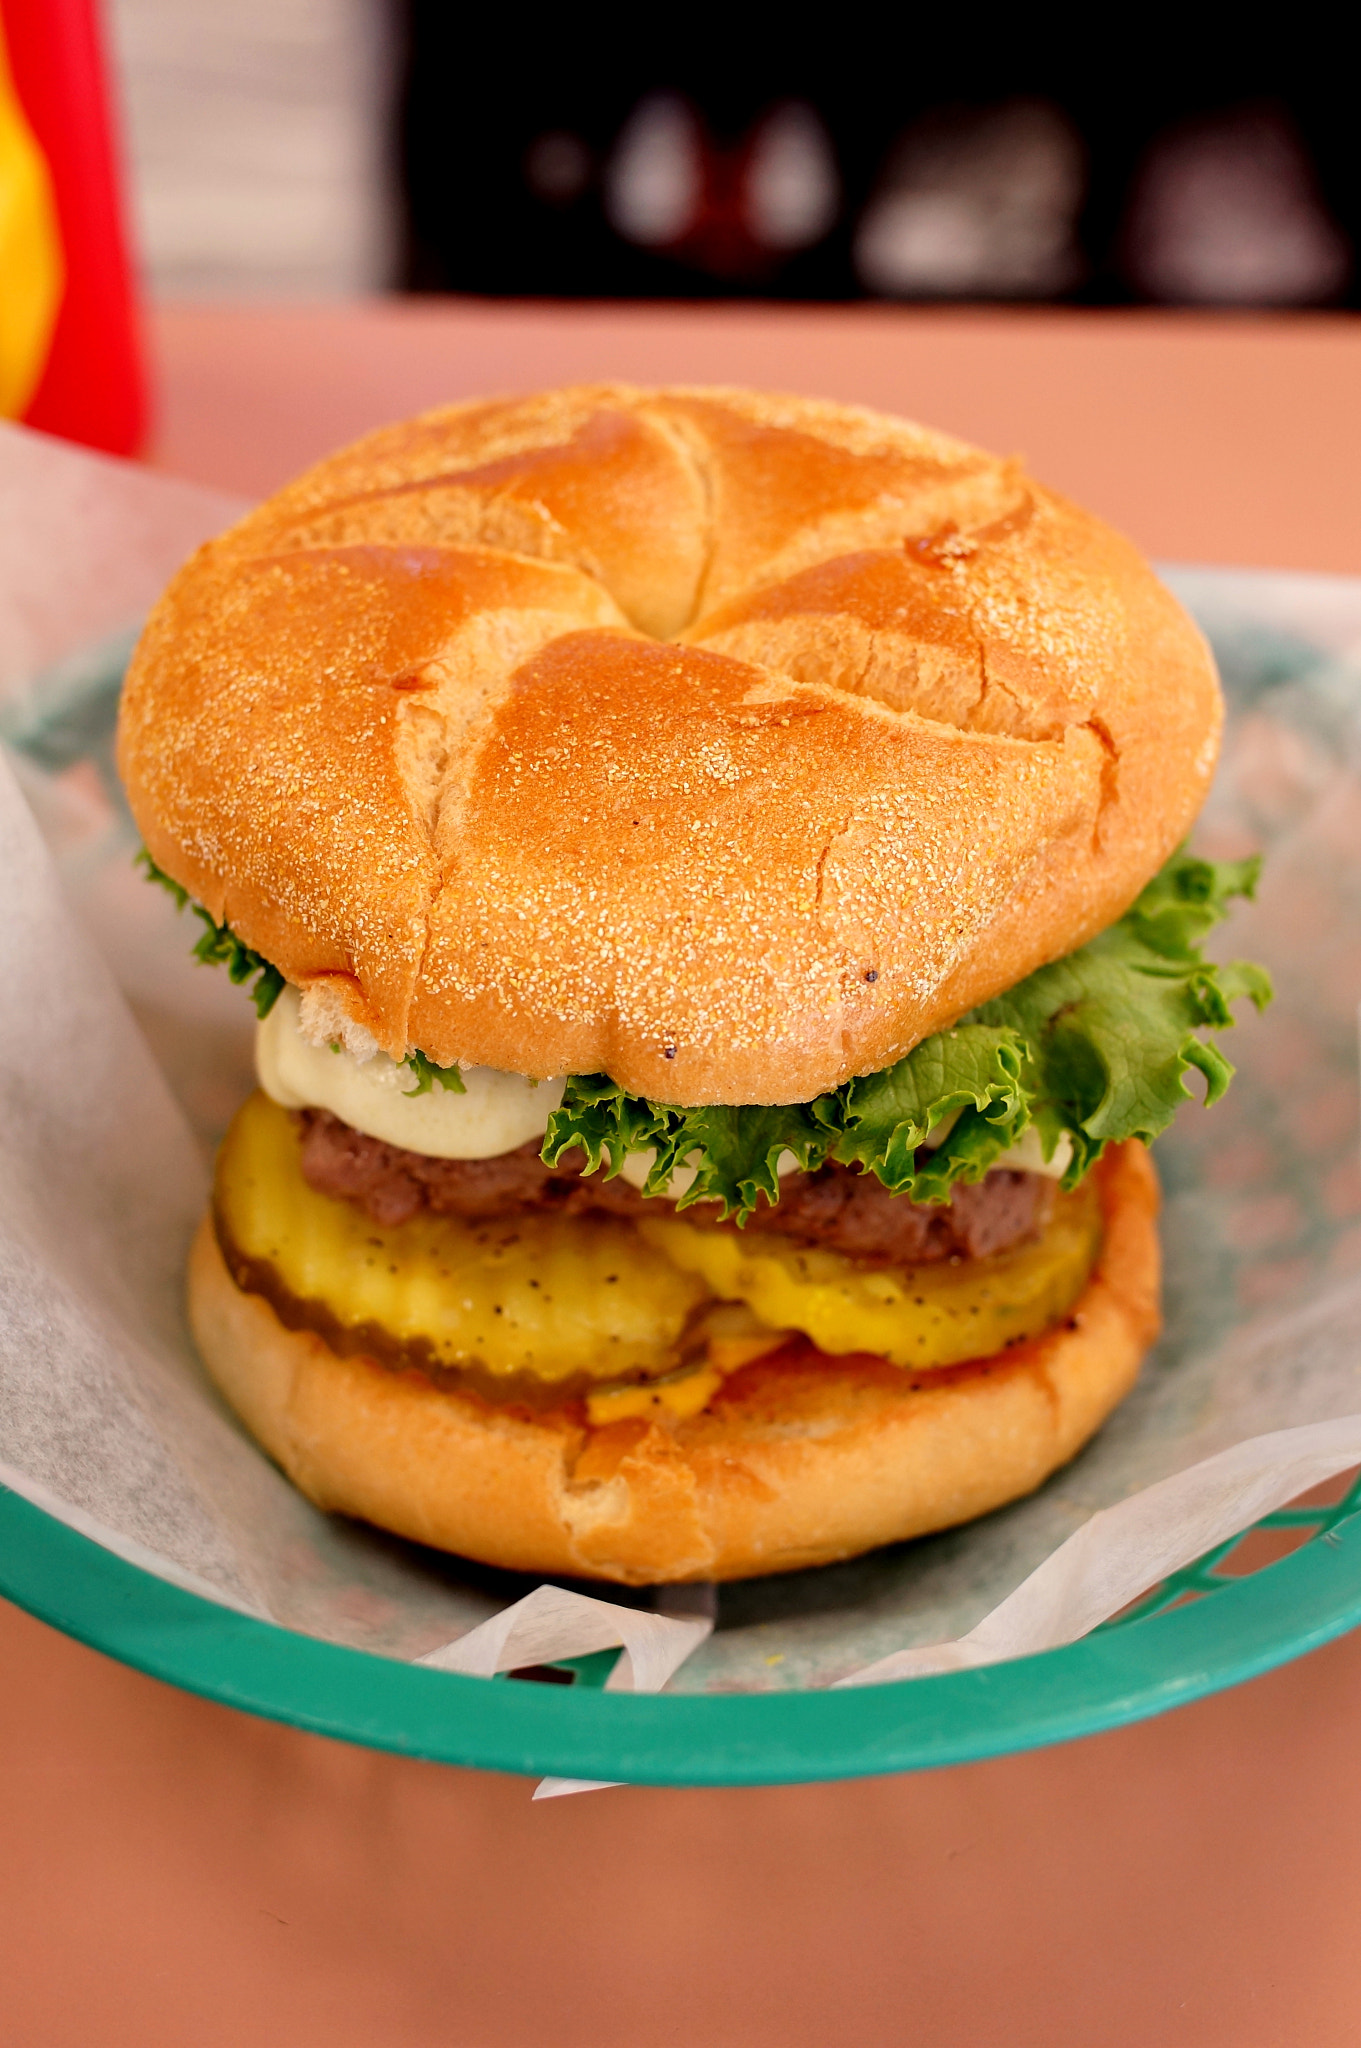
(638, 1165)
(1026, 1156)
(496, 1112)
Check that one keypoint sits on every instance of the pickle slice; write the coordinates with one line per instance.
(555, 1297)
(590, 1299)
(914, 1316)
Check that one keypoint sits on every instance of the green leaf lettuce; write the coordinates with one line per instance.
(220, 947)
(1094, 1047)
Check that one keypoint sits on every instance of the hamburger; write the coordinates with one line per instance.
(709, 867)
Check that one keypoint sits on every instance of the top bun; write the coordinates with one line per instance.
(726, 743)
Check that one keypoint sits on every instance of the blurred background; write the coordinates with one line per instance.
(312, 147)
(322, 150)
(311, 151)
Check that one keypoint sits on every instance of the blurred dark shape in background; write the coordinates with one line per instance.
(903, 158)
(1227, 210)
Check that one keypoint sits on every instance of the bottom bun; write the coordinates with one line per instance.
(800, 1459)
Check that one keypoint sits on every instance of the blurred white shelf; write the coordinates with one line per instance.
(256, 136)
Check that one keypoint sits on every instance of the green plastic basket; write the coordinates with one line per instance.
(1200, 1631)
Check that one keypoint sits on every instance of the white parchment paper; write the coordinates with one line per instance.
(120, 1062)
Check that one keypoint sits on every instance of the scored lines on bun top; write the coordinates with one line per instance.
(727, 743)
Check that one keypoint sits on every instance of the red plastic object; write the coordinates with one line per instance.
(92, 388)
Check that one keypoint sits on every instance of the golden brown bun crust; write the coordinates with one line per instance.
(793, 1464)
(726, 743)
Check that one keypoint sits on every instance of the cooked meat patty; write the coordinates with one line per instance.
(846, 1211)
(854, 1213)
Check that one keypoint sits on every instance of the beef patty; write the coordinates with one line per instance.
(846, 1211)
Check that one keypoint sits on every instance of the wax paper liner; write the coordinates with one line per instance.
(120, 1062)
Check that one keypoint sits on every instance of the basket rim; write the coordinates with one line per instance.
(1106, 1680)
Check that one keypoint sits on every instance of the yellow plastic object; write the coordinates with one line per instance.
(31, 269)
(554, 1296)
(914, 1316)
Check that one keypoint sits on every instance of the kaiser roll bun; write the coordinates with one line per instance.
(797, 1461)
(727, 743)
